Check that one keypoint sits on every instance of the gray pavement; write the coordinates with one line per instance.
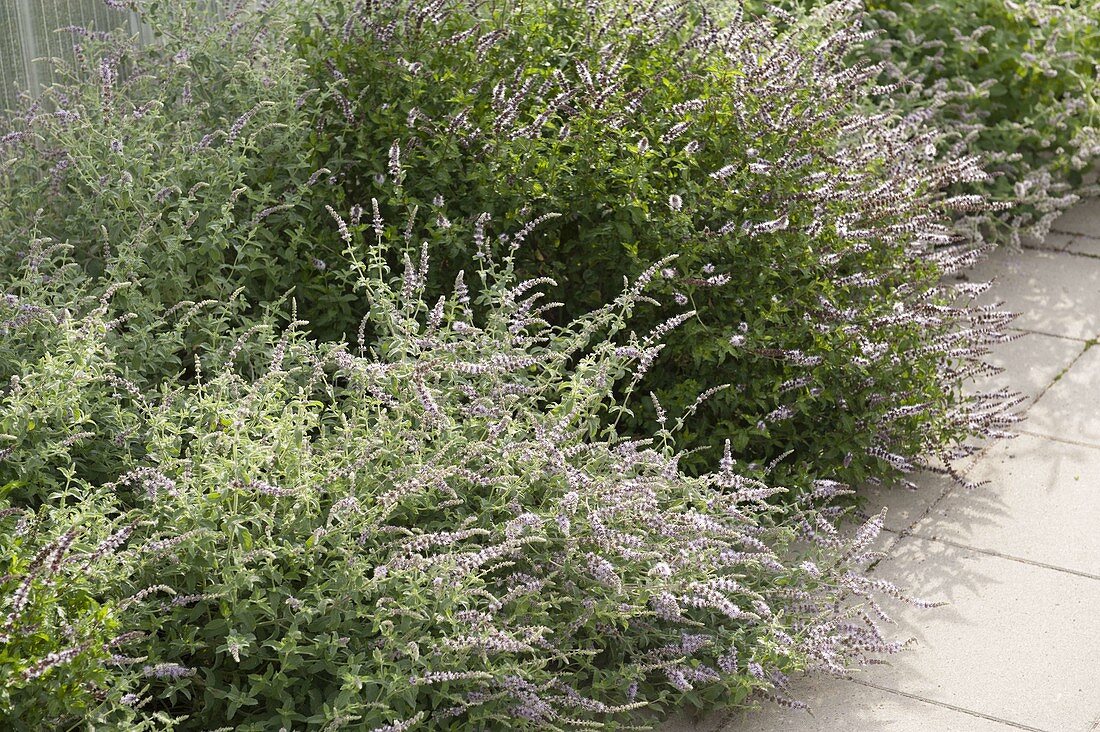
(1017, 559)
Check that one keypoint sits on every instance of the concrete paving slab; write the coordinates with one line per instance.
(1070, 408)
(904, 506)
(1083, 218)
(1018, 642)
(1030, 363)
(1039, 492)
(845, 706)
(1053, 293)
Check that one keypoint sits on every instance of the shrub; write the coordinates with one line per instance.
(57, 632)
(427, 531)
(181, 166)
(222, 513)
(811, 236)
(200, 168)
(1014, 83)
(65, 433)
(68, 404)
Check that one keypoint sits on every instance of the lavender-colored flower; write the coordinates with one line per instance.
(677, 678)
(395, 162)
(238, 126)
(168, 671)
(379, 227)
(317, 175)
(108, 76)
(675, 132)
(724, 172)
(341, 225)
(401, 726)
(182, 600)
(439, 677)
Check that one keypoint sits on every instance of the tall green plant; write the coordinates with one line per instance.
(420, 533)
(184, 166)
(1015, 83)
(811, 236)
(222, 512)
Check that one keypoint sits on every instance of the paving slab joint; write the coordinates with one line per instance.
(1084, 255)
(1063, 440)
(952, 707)
(907, 530)
(1001, 555)
(1088, 344)
(1044, 248)
(1049, 334)
(1083, 235)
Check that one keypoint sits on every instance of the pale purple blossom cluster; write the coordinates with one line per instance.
(168, 671)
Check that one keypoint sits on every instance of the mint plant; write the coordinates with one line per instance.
(812, 235)
(395, 365)
(1012, 83)
(421, 530)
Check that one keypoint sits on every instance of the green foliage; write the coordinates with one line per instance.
(57, 629)
(182, 167)
(1029, 84)
(425, 532)
(229, 500)
(803, 228)
(1013, 82)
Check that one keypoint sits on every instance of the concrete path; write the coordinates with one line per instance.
(1018, 559)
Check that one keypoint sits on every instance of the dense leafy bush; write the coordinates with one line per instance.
(205, 174)
(810, 235)
(54, 614)
(425, 531)
(217, 511)
(1013, 82)
(183, 167)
